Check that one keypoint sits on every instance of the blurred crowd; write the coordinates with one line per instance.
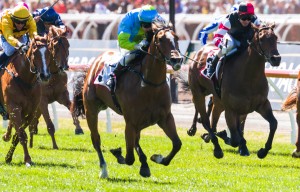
(181, 6)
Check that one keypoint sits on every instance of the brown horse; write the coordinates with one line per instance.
(21, 91)
(144, 98)
(243, 88)
(56, 88)
(293, 100)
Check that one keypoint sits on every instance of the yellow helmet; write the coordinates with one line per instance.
(20, 13)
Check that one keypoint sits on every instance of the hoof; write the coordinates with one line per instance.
(29, 164)
(218, 154)
(118, 154)
(157, 158)
(6, 138)
(145, 172)
(104, 173)
(79, 132)
(205, 137)
(296, 154)
(244, 151)
(192, 131)
(262, 153)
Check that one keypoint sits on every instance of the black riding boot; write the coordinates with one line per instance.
(212, 67)
(112, 82)
(3, 60)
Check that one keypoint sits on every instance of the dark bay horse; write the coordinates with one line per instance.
(56, 88)
(243, 88)
(21, 91)
(144, 98)
(293, 100)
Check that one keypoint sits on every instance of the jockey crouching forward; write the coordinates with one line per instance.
(15, 24)
(131, 37)
(46, 17)
(234, 31)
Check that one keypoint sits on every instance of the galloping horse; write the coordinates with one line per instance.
(144, 99)
(21, 91)
(56, 88)
(292, 100)
(243, 88)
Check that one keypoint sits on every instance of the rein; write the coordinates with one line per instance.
(261, 52)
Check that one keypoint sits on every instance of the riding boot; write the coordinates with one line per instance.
(212, 67)
(112, 82)
(3, 60)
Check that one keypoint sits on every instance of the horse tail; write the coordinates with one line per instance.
(182, 77)
(290, 101)
(77, 107)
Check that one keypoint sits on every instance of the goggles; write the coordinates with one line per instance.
(146, 25)
(245, 17)
(17, 21)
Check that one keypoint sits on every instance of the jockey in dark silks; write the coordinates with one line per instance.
(233, 32)
(131, 37)
(45, 18)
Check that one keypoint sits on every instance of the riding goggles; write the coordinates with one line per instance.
(245, 17)
(17, 21)
(146, 25)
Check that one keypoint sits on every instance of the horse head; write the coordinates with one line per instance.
(267, 44)
(59, 46)
(39, 57)
(166, 42)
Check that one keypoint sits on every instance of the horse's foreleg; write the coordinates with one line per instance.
(169, 127)
(23, 140)
(144, 170)
(92, 119)
(33, 128)
(192, 131)
(243, 149)
(130, 137)
(296, 152)
(64, 100)
(266, 112)
(50, 126)
(6, 136)
(12, 148)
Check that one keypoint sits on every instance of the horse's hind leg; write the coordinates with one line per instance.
(144, 170)
(296, 152)
(92, 119)
(266, 112)
(13, 146)
(64, 100)
(169, 127)
(33, 127)
(50, 126)
(192, 131)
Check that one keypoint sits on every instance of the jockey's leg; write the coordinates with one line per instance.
(211, 66)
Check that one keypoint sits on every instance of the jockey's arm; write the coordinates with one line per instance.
(124, 43)
(256, 21)
(32, 28)
(222, 30)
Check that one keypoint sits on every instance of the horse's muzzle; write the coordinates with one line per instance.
(45, 77)
(275, 60)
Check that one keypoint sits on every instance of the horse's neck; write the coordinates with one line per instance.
(153, 66)
(23, 69)
(53, 68)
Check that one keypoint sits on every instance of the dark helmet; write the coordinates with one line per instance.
(246, 9)
(48, 15)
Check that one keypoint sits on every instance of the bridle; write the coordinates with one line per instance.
(260, 50)
(53, 51)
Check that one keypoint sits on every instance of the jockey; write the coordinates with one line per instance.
(45, 18)
(15, 24)
(203, 34)
(234, 31)
(131, 36)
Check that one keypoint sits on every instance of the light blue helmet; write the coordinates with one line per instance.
(147, 14)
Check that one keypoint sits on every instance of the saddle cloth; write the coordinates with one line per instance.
(104, 74)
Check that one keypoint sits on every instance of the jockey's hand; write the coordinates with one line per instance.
(144, 43)
(224, 50)
(37, 18)
(24, 48)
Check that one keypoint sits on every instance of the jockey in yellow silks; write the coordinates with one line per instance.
(15, 24)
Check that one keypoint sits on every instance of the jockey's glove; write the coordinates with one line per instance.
(23, 47)
(223, 49)
(143, 44)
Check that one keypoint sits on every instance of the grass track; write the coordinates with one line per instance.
(75, 166)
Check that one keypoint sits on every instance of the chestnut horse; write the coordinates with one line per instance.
(293, 100)
(144, 98)
(56, 88)
(243, 88)
(22, 90)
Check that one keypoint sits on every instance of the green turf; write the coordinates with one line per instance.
(75, 166)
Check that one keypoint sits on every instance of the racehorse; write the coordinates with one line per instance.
(56, 88)
(292, 100)
(143, 96)
(21, 91)
(243, 88)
